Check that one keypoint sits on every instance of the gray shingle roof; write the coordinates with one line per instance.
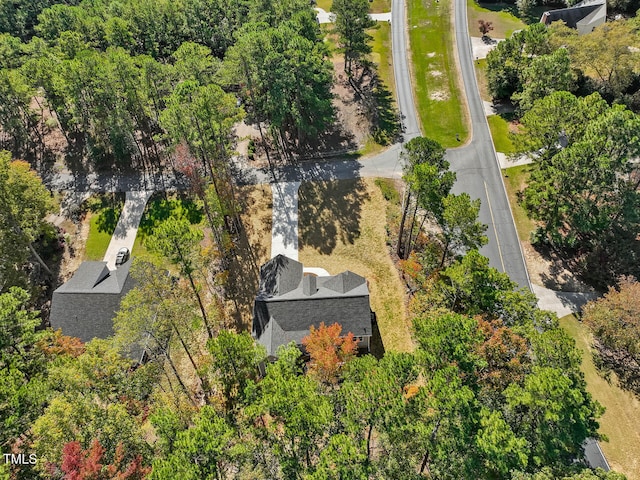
(282, 315)
(572, 16)
(279, 275)
(85, 306)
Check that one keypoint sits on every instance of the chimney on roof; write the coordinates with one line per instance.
(309, 285)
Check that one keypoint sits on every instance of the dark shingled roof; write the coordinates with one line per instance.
(85, 306)
(571, 16)
(286, 306)
(279, 275)
(583, 16)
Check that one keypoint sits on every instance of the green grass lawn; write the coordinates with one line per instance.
(157, 210)
(380, 6)
(500, 133)
(97, 241)
(438, 95)
(324, 4)
(330, 37)
(381, 55)
(104, 212)
(515, 180)
(481, 76)
(385, 95)
(621, 420)
(503, 16)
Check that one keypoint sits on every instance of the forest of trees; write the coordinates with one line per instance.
(539, 60)
(493, 388)
(577, 108)
(113, 75)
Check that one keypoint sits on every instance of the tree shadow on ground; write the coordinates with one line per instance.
(159, 208)
(532, 17)
(244, 265)
(377, 346)
(336, 139)
(108, 207)
(380, 111)
(617, 366)
(329, 212)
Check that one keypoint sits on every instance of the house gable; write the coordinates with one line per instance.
(86, 305)
(285, 315)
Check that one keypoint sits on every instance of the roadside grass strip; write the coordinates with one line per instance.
(514, 181)
(500, 132)
(437, 91)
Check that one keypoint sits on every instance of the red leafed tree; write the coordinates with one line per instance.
(328, 351)
(189, 166)
(79, 464)
(485, 27)
(59, 344)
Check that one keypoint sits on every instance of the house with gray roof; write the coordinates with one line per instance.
(86, 305)
(583, 16)
(289, 302)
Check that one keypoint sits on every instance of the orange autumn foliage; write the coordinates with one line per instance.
(506, 354)
(328, 351)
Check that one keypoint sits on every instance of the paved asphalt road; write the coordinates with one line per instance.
(475, 164)
(477, 170)
(401, 70)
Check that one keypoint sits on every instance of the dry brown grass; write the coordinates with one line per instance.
(342, 227)
(620, 422)
(253, 249)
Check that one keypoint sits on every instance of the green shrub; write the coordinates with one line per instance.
(388, 189)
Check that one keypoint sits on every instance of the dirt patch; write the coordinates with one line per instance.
(439, 96)
(75, 235)
(351, 132)
(342, 227)
(350, 116)
(550, 271)
(245, 134)
(435, 73)
(253, 248)
(431, 54)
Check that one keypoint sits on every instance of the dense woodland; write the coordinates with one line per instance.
(492, 390)
(114, 77)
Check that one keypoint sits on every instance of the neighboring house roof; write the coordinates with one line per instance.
(86, 305)
(289, 303)
(583, 16)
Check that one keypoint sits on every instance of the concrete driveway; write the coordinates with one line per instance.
(284, 226)
(127, 228)
(481, 47)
